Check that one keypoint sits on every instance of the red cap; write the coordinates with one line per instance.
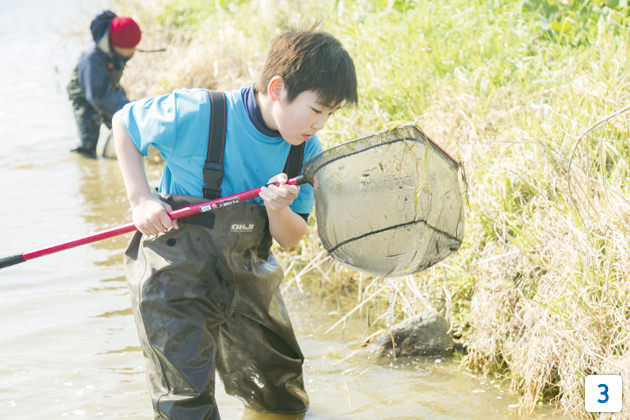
(124, 32)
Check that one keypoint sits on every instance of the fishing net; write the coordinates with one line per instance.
(388, 204)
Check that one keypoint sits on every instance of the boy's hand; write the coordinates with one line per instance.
(151, 217)
(278, 197)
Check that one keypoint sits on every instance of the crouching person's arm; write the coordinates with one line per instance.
(149, 213)
(286, 226)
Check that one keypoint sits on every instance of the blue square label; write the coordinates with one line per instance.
(603, 393)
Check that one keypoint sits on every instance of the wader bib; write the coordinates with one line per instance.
(206, 297)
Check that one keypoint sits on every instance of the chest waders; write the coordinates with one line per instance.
(206, 298)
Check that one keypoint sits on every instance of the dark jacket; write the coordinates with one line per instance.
(97, 75)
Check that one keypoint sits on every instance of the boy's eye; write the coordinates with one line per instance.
(317, 111)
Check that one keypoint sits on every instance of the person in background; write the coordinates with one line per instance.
(94, 89)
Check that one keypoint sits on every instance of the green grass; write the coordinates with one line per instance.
(539, 291)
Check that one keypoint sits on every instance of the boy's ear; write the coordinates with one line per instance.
(275, 88)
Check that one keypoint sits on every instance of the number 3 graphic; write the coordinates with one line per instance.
(604, 393)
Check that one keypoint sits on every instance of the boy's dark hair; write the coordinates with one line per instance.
(311, 60)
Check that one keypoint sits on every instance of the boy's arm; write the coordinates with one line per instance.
(285, 226)
(149, 214)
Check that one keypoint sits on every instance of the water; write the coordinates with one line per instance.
(68, 345)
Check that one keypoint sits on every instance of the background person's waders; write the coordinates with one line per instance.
(206, 296)
(88, 118)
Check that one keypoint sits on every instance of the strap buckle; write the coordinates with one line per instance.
(212, 178)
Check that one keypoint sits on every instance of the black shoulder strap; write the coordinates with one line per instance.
(213, 167)
(293, 164)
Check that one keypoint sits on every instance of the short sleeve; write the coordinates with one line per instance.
(151, 121)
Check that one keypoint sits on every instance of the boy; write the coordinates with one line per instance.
(205, 291)
(94, 89)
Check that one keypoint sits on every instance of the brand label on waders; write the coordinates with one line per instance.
(242, 227)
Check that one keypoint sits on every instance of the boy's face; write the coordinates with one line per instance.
(125, 52)
(302, 118)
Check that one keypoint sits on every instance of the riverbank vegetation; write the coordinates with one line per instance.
(531, 97)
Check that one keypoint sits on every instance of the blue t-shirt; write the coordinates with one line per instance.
(177, 125)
